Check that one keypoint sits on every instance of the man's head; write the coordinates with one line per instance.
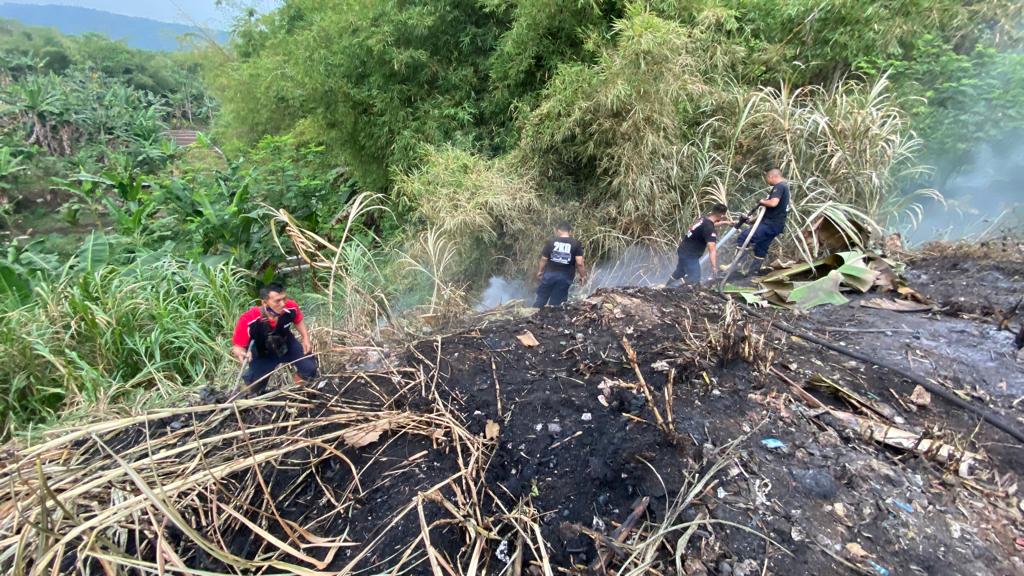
(564, 228)
(273, 296)
(718, 212)
(773, 176)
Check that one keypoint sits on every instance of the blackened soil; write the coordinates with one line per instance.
(982, 280)
(583, 463)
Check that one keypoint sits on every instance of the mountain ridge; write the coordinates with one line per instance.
(137, 32)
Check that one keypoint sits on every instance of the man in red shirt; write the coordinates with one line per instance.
(263, 336)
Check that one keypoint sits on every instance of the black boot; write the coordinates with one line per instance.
(754, 269)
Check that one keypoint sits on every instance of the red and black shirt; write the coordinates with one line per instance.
(259, 321)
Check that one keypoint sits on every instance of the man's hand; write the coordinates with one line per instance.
(540, 275)
(307, 346)
(241, 354)
(581, 279)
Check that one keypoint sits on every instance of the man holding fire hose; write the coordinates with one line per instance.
(700, 236)
(776, 208)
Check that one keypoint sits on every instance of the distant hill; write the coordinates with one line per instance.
(136, 32)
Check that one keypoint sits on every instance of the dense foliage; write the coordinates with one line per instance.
(402, 151)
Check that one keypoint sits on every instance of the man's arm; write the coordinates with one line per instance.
(713, 258)
(240, 340)
(540, 267)
(581, 269)
(307, 345)
(773, 199)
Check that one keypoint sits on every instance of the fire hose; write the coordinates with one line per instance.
(742, 249)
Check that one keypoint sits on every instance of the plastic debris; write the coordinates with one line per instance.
(903, 506)
(882, 571)
(773, 444)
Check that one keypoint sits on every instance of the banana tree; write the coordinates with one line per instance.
(9, 166)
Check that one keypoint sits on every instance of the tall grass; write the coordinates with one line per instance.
(114, 337)
(635, 145)
(849, 152)
(484, 206)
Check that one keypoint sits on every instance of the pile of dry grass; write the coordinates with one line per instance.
(256, 485)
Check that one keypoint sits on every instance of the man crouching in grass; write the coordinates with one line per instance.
(264, 338)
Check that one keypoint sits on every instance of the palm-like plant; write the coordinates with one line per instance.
(9, 166)
(40, 102)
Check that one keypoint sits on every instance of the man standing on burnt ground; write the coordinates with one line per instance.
(264, 338)
(560, 261)
(699, 237)
(776, 208)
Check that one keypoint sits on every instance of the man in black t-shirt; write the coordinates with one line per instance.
(560, 260)
(699, 237)
(776, 207)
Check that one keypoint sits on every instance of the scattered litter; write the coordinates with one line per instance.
(773, 444)
(661, 366)
(857, 551)
(892, 436)
(554, 427)
(882, 571)
(528, 339)
(491, 430)
(747, 567)
(587, 417)
(920, 397)
(797, 534)
(502, 552)
(903, 506)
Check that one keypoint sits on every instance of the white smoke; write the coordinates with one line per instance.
(637, 265)
(985, 199)
(501, 290)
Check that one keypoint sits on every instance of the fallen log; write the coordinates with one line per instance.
(887, 434)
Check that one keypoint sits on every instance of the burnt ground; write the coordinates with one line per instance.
(983, 279)
(903, 510)
(577, 443)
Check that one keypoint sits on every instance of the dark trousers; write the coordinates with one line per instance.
(687, 269)
(260, 367)
(762, 239)
(553, 289)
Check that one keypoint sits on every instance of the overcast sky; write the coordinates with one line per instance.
(202, 12)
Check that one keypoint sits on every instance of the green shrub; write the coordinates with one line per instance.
(116, 335)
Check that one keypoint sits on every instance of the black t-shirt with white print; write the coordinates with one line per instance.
(697, 238)
(561, 254)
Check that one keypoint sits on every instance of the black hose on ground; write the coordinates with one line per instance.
(986, 415)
